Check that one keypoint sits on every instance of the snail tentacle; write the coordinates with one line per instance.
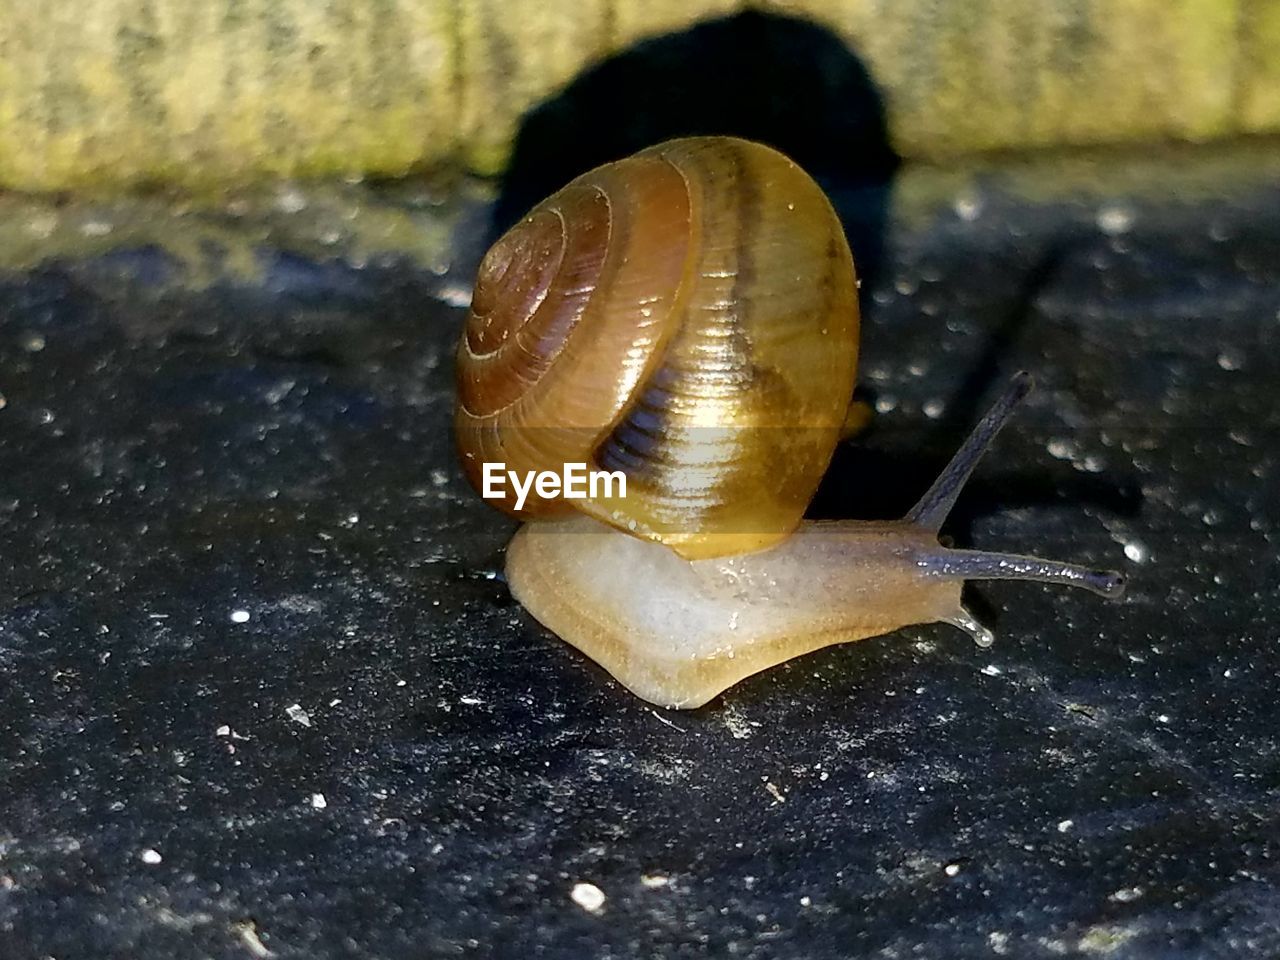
(964, 618)
(984, 565)
(932, 509)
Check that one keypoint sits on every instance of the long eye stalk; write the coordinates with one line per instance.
(933, 507)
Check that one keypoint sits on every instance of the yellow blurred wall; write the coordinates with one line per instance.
(119, 92)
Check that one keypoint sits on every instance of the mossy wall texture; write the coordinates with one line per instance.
(118, 92)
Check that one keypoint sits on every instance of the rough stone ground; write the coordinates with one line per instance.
(263, 692)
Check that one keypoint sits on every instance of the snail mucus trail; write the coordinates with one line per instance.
(688, 315)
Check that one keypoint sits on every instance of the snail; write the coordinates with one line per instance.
(687, 318)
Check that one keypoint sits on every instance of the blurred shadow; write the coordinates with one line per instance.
(779, 80)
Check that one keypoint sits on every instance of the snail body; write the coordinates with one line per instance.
(688, 316)
(678, 632)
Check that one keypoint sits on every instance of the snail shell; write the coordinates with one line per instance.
(687, 315)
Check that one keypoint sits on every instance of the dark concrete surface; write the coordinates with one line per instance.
(388, 759)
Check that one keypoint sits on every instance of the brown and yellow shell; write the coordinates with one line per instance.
(687, 315)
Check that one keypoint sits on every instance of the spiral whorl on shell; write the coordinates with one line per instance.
(687, 315)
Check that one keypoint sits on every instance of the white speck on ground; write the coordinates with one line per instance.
(455, 295)
(318, 801)
(239, 616)
(673, 726)
(1107, 938)
(1230, 361)
(298, 715)
(738, 726)
(1126, 894)
(653, 881)
(968, 206)
(1114, 220)
(1090, 464)
(951, 869)
(291, 200)
(223, 731)
(588, 896)
(774, 791)
(1060, 449)
(1135, 551)
(42, 225)
(150, 856)
(991, 670)
(1065, 825)
(253, 943)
